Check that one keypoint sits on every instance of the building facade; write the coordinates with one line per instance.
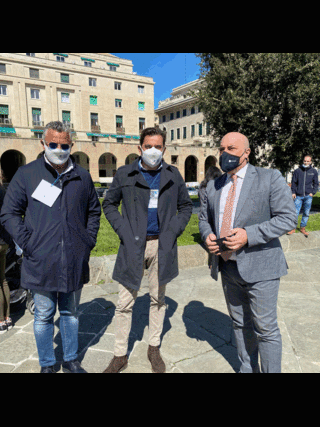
(191, 145)
(105, 104)
(101, 99)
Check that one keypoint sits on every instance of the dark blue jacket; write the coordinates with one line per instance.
(56, 241)
(304, 181)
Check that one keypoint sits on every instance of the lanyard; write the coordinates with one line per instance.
(59, 176)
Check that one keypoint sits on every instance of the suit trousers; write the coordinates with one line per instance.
(127, 297)
(253, 310)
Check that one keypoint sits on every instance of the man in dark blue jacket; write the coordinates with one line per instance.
(304, 186)
(61, 221)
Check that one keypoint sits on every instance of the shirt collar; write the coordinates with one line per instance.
(241, 173)
(69, 166)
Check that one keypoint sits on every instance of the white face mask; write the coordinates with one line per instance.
(151, 157)
(57, 156)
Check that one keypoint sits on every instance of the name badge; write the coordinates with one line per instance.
(153, 201)
(46, 193)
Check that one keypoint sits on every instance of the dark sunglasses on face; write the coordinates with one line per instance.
(54, 145)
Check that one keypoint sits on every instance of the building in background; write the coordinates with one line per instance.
(188, 138)
(103, 101)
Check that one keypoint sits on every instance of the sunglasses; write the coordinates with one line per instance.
(54, 145)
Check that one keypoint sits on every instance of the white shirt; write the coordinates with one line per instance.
(224, 194)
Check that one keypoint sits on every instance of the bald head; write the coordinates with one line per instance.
(236, 138)
(236, 144)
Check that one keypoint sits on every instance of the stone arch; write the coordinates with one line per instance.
(82, 159)
(107, 165)
(210, 161)
(191, 169)
(10, 161)
(131, 158)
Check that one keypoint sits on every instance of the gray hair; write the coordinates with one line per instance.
(57, 126)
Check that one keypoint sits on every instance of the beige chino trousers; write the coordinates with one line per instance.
(127, 297)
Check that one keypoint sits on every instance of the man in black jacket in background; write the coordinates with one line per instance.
(304, 186)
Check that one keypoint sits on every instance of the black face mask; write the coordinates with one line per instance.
(228, 162)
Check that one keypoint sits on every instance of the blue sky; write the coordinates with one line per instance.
(168, 70)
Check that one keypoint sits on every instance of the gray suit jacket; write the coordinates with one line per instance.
(266, 211)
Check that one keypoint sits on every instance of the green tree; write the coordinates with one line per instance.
(272, 98)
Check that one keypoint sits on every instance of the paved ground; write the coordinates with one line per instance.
(197, 334)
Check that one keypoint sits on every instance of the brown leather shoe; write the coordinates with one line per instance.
(117, 365)
(157, 364)
(292, 231)
(303, 231)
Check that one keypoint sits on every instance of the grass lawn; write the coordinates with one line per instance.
(108, 241)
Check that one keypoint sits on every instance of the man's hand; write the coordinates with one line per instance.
(294, 196)
(237, 241)
(211, 244)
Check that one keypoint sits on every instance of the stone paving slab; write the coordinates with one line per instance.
(197, 335)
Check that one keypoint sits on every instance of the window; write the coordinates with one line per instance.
(3, 90)
(178, 115)
(87, 64)
(92, 81)
(64, 78)
(118, 103)
(94, 119)
(174, 160)
(171, 116)
(140, 89)
(3, 68)
(4, 113)
(59, 58)
(119, 123)
(34, 73)
(36, 115)
(93, 100)
(142, 123)
(163, 119)
(66, 117)
(172, 134)
(192, 131)
(184, 112)
(200, 129)
(141, 106)
(30, 54)
(117, 86)
(178, 133)
(65, 97)
(112, 68)
(192, 110)
(184, 132)
(35, 94)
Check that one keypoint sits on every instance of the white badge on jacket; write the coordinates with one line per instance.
(46, 193)
(153, 201)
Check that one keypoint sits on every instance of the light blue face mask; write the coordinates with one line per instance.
(305, 166)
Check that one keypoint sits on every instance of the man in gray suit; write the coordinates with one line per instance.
(250, 207)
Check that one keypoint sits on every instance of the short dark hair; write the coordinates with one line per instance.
(151, 132)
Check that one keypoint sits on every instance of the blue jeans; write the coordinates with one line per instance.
(305, 202)
(45, 309)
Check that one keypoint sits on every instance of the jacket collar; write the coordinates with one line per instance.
(166, 174)
(74, 172)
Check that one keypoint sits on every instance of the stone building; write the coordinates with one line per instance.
(188, 139)
(105, 104)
